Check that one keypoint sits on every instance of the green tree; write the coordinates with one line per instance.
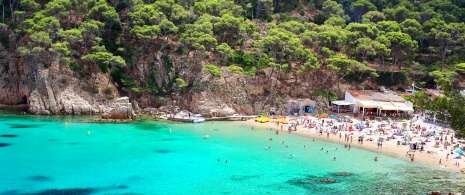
(224, 51)
(456, 109)
(104, 59)
(402, 48)
(444, 79)
(335, 21)
(388, 26)
(90, 31)
(61, 50)
(167, 27)
(460, 68)
(359, 8)
(71, 36)
(399, 14)
(415, 30)
(146, 33)
(447, 37)
(373, 16)
(332, 8)
(383, 49)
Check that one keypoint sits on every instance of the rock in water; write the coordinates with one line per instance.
(122, 110)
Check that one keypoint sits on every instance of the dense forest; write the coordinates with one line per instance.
(362, 43)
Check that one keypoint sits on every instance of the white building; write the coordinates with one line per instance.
(372, 101)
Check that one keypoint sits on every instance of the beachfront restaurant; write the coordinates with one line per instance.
(372, 102)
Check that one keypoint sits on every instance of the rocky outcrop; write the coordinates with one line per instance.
(71, 103)
(122, 110)
(210, 106)
(68, 103)
(36, 104)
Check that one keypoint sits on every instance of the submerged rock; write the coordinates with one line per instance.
(310, 180)
(4, 144)
(342, 174)
(39, 178)
(9, 135)
(328, 180)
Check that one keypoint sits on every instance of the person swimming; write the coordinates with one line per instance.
(321, 149)
(376, 159)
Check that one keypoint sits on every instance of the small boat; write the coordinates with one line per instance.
(198, 119)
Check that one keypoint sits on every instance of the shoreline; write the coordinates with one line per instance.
(389, 148)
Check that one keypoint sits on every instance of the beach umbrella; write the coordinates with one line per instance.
(324, 115)
(459, 151)
(394, 123)
(339, 116)
(346, 116)
(423, 128)
(395, 133)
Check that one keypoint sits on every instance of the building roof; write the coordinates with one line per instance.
(342, 103)
(375, 95)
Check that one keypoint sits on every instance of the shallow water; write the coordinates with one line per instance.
(48, 156)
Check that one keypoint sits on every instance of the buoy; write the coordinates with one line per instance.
(88, 132)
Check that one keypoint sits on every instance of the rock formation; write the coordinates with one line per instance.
(122, 110)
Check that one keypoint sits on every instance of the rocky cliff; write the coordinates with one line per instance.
(123, 109)
(56, 89)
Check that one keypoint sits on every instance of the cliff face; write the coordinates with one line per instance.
(56, 89)
(50, 90)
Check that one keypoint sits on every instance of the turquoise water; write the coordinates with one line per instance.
(44, 155)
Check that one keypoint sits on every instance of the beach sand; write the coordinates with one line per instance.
(389, 148)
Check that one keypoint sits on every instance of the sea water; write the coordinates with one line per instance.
(66, 155)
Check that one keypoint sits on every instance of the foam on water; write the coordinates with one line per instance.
(49, 157)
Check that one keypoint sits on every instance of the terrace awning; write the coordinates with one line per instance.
(386, 105)
(342, 103)
(368, 104)
(403, 106)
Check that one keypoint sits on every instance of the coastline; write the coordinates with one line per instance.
(389, 148)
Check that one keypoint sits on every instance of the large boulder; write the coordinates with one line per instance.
(122, 110)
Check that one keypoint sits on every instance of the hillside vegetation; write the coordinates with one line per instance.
(398, 42)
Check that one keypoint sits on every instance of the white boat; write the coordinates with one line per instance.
(198, 119)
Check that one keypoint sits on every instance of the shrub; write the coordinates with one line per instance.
(235, 69)
(74, 66)
(64, 80)
(213, 70)
(92, 88)
(181, 50)
(107, 90)
(166, 47)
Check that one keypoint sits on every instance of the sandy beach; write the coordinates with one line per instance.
(430, 156)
